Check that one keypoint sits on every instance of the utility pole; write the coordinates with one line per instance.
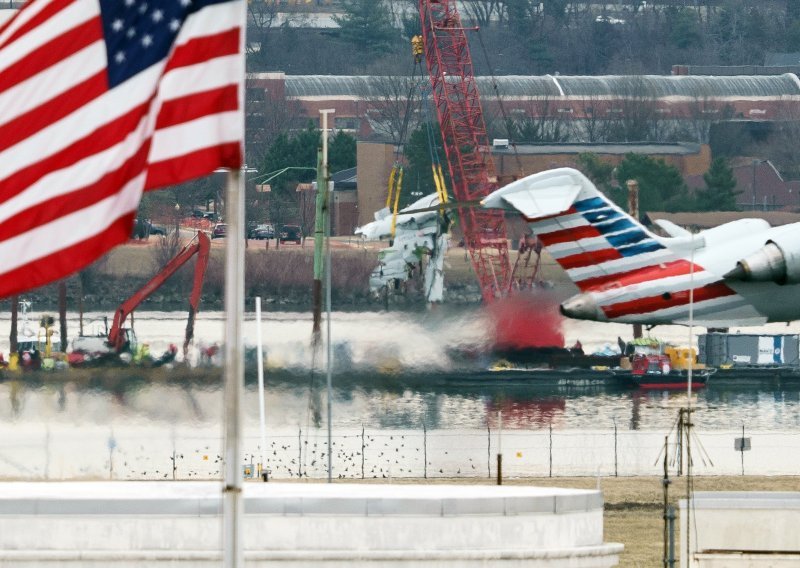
(62, 313)
(319, 232)
(633, 209)
(320, 218)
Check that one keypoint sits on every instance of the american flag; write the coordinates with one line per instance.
(101, 100)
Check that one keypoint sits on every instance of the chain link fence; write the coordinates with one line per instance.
(65, 452)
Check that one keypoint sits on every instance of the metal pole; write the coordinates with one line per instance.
(62, 314)
(616, 463)
(742, 448)
(328, 267)
(499, 448)
(12, 338)
(425, 450)
(261, 403)
(691, 328)
(232, 502)
(233, 509)
(671, 525)
(633, 209)
(319, 233)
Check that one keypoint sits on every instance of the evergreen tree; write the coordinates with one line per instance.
(367, 24)
(684, 28)
(418, 176)
(299, 150)
(341, 152)
(595, 169)
(720, 191)
(661, 187)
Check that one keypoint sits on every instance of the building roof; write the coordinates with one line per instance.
(760, 186)
(672, 148)
(781, 59)
(345, 179)
(706, 220)
(554, 86)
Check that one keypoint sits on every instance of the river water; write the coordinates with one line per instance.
(391, 416)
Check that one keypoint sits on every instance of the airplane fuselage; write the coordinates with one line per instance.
(740, 273)
(663, 293)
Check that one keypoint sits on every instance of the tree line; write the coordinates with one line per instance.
(532, 36)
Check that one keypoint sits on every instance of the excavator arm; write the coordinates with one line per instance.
(199, 246)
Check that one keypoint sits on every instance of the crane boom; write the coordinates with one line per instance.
(199, 246)
(465, 143)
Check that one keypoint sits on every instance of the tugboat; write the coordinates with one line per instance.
(664, 367)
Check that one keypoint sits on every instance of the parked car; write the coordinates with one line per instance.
(291, 233)
(211, 216)
(143, 228)
(262, 232)
(220, 230)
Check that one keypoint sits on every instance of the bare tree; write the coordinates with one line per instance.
(262, 18)
(636, 118)
(701, 113)
(541, 120)
(484, 13)
(594, 124)
(392, 105)
(781, 147)
(266, 117)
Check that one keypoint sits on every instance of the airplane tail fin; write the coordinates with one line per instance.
(594, 240)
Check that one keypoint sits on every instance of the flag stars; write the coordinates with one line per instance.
(143, 8)
(119, 57)
(174, 24)
(131, 32)
(117, 25)
(147, 40)
(186, 2)
(130, 3)
(157, 16)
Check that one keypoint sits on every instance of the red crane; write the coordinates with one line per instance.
(466, 144)
(199, 246)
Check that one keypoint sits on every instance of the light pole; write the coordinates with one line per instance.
(177, 222)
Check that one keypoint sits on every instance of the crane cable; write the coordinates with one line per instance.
(436, 164)
(396, 175)
(506, 120)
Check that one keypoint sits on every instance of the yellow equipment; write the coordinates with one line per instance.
(395, 186)
(681, 358)
(417, 48)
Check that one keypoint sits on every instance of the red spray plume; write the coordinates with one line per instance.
(527, 320)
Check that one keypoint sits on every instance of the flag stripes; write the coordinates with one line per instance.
(76, 152)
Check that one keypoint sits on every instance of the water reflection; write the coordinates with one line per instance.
(103, 397)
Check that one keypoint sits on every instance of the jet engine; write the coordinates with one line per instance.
(777, 261)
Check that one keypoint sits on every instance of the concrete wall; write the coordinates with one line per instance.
(374, 166)
(741, 530)
(305, 525)
(345, 212)
(507, 164)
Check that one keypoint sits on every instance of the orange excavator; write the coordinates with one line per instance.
(118, 338)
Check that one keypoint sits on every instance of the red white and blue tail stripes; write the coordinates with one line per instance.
(625, 271)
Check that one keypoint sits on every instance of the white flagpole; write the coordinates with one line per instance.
(232, 501)
(261, 410)
(233, 504)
